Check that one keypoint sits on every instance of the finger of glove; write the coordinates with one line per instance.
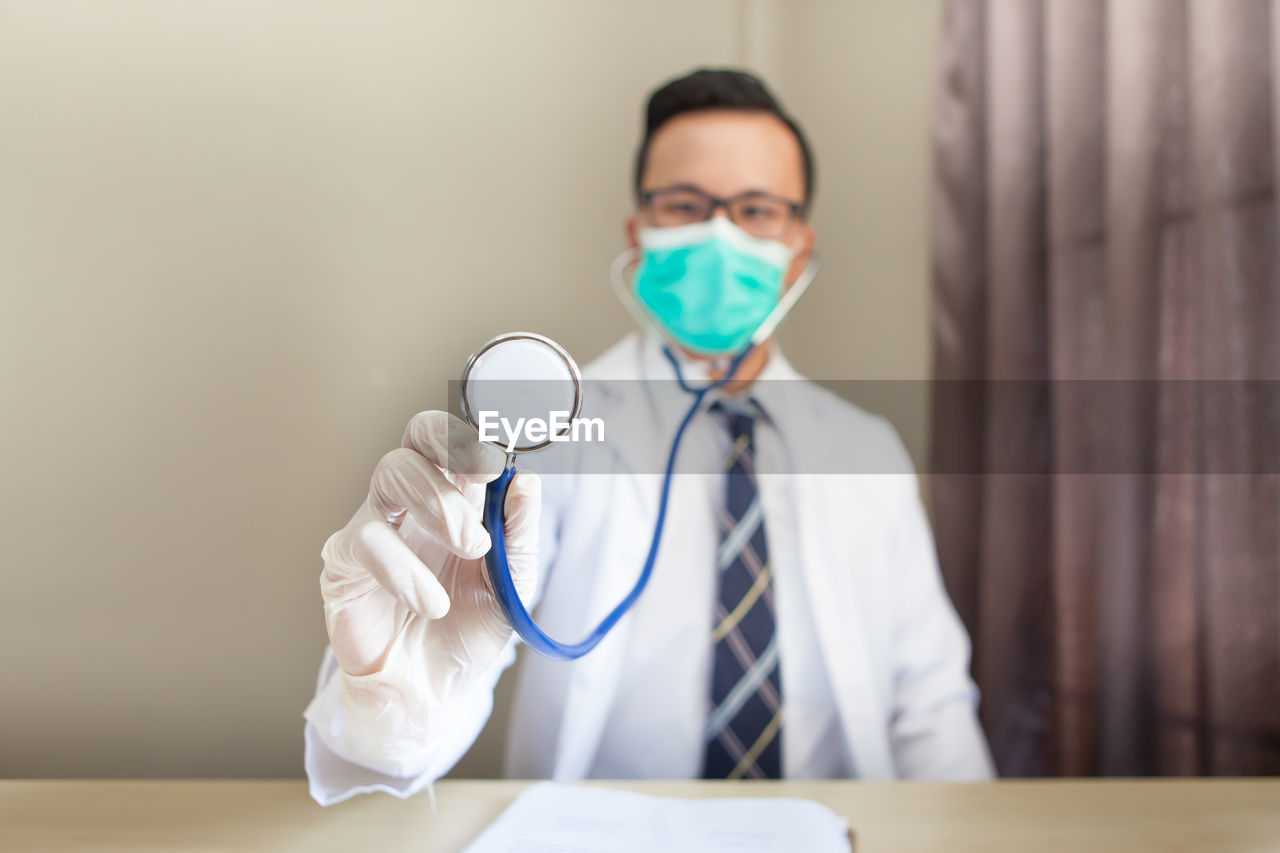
(340, 562)
(522, 521)
(453, 446)
(405, 481)
(379, 548)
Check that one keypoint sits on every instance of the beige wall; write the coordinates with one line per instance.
(242, 242)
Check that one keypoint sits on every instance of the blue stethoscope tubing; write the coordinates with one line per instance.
(495, 560)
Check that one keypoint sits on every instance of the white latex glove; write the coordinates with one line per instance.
(412, 620)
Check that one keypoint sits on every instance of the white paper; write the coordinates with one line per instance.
(552, 818)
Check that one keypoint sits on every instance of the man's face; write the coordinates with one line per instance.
(726, 153)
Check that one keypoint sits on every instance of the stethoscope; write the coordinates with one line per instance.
(525, 372)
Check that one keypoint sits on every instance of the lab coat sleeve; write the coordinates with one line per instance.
(933, 729)
(339, 765)
(344, 757)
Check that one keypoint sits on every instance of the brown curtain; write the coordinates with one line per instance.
(1106, 330)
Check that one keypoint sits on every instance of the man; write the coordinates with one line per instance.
(796, 625)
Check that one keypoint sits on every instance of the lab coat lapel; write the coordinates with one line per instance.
(594, 680)
(830, 572)
(833, 543)
(635, 444)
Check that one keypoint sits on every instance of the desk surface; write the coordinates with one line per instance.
(1129, 816)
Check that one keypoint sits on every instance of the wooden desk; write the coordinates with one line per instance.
(1129, 816)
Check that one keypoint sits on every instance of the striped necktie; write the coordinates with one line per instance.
(743, 732)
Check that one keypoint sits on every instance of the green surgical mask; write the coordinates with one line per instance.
(710, 285)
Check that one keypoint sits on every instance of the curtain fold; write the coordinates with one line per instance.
(1105, 417)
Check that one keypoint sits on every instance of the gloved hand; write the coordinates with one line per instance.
(412, 620)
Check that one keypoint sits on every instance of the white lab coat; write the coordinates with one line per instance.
(896, 653)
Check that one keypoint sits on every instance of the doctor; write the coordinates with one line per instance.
(796, 625)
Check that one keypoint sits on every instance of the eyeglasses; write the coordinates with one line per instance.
(758, 213)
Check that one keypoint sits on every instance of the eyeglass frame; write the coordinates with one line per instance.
(798, 209)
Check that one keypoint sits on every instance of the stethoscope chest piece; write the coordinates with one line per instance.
(516, 382)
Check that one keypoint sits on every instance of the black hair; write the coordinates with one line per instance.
(717, 89)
